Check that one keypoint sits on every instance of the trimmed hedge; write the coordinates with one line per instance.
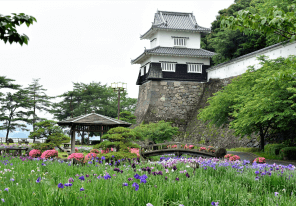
(117, 155)
(273, 149)
(288, 153)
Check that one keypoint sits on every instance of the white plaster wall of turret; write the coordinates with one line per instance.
(164, 39)
(240, 65)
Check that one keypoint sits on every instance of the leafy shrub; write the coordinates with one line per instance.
(95, 151)
(117, 156)
(49, 154)
(288, 153)
(35, 153)
(77, 156)
(89, 156)
(273, 149)
(157, 132)
(259, 160)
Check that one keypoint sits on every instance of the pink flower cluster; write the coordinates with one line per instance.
(259, 160)
(77, 156)
(135, 150)
(49, 154)
(94, 151)
(232, 157)
(172, 146)
(35, 153)
(89, 156)
(188, 147)
(202, 149)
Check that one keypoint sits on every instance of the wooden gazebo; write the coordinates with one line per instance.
(91, 123)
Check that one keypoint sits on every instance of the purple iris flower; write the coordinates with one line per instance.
(215, 203)
(12, 179)
(71, 180)
(81, 178)
(174, 168)
(136, 186)
(276, 194)
(43, 164)
(143, 180)
(103, 158)
(130, 179)
(165, 177)
(137, 176)
(82, 189)
(68, 184)
(38, 179)
(124, 184)
(107, 176)
(60, 185)
(2, 200)
(112, 156)
(187, 175)
(257, 178)
(177, 178)
(6, 189)
(257, 172)
(87, 175)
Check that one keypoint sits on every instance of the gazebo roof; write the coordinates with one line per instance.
(93, 119)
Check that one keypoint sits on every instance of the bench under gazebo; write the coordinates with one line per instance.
(91, 123)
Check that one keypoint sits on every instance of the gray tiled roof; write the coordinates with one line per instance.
(174, 51)
(93, 118)
(175, 21)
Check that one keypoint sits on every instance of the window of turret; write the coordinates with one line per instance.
(194, 68)
(168, 66)
(180, 41)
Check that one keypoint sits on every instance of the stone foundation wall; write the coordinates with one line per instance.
(179, 102)
(168, 100)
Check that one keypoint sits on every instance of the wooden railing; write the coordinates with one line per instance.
(178, 148)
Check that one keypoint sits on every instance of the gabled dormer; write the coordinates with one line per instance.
(183, 30)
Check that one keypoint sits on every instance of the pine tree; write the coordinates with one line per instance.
(6, 83)
(14, 110)
(40, 101)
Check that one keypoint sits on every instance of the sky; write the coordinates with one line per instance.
(87, 41)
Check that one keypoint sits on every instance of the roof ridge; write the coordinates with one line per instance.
(176, 12)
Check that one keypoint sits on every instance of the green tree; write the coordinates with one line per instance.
(127, 117)
(8, 31)
(40, 101)
(228, 44)
(6, 83)
(257, 101)
(85, 98)
(157, 132)
(274, 20)
(11, 111)
(54, 134)
(120, 138)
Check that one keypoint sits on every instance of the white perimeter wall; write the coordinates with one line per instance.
(240, 65)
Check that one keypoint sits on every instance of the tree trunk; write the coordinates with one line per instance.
(34, 118)
(262, 140)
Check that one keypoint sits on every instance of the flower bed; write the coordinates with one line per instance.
(170, 181)
(49, 154)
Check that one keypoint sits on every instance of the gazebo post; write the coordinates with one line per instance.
(72, 139)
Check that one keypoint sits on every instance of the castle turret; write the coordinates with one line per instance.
(175, 52)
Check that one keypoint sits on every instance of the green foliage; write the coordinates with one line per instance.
(49, 130)
(117, 155)
(86, 98)
(227, 43)
(12, 112)
(256, 101)
(157, 132)
(266, 20)
(127, 116)
(273, 149)
(40, 101)
(120, 138)
(288, 152)
(6, 83)
(8, 31)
